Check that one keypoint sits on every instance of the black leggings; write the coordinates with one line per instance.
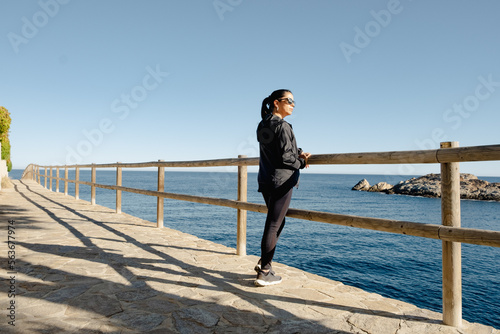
(277, 203)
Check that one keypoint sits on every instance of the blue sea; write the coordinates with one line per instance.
(402, 267)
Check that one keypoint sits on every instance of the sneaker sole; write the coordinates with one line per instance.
(264, 283)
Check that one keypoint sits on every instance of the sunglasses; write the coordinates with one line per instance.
(288, 100)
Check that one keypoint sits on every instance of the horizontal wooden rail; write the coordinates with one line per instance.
(459, 154)
(171, 164)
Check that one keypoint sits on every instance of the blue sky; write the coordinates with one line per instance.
(126, 80)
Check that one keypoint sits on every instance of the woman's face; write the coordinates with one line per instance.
(283, 106)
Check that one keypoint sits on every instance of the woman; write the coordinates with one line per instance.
(280, 161)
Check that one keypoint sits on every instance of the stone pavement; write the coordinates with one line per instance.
(82, 268)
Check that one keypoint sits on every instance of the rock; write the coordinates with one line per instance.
(362, 185)
(381, 186)
(426, 186)
(430, 186)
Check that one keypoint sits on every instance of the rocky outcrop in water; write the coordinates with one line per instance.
(430, 186)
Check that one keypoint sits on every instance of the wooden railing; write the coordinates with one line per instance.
(452, 235)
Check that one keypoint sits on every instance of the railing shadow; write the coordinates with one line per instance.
(138, 288)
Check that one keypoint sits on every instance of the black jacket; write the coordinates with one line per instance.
(279, 156)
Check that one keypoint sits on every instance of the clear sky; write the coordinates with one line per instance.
(127, 80)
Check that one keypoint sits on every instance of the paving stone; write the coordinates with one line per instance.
(381, 306)
(306, 294)
(42, 309)
(299, 326)
(65, 294)
(156, 305)
(245, 319)
(195, 320)
(99, 304)
(139, 321)
(138, 291)
(375, 324)
(37, 286)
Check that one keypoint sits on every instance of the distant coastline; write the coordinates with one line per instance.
(430, 186)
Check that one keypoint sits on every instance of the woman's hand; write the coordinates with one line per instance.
(305, 156)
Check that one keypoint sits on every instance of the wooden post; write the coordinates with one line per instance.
(452, 251)
(92, 187)
(160, 200)
(65, 180)
(77, 185)
(50, 178)
(241, 242)
(118, 192)
(57, 179)
(45, 183)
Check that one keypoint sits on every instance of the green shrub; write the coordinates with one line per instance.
(5, 121)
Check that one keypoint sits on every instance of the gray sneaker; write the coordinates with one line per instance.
(258, 268)
(269, 278)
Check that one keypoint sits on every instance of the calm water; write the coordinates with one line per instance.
(396, 266)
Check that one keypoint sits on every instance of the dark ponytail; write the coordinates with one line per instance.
(268, 102)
